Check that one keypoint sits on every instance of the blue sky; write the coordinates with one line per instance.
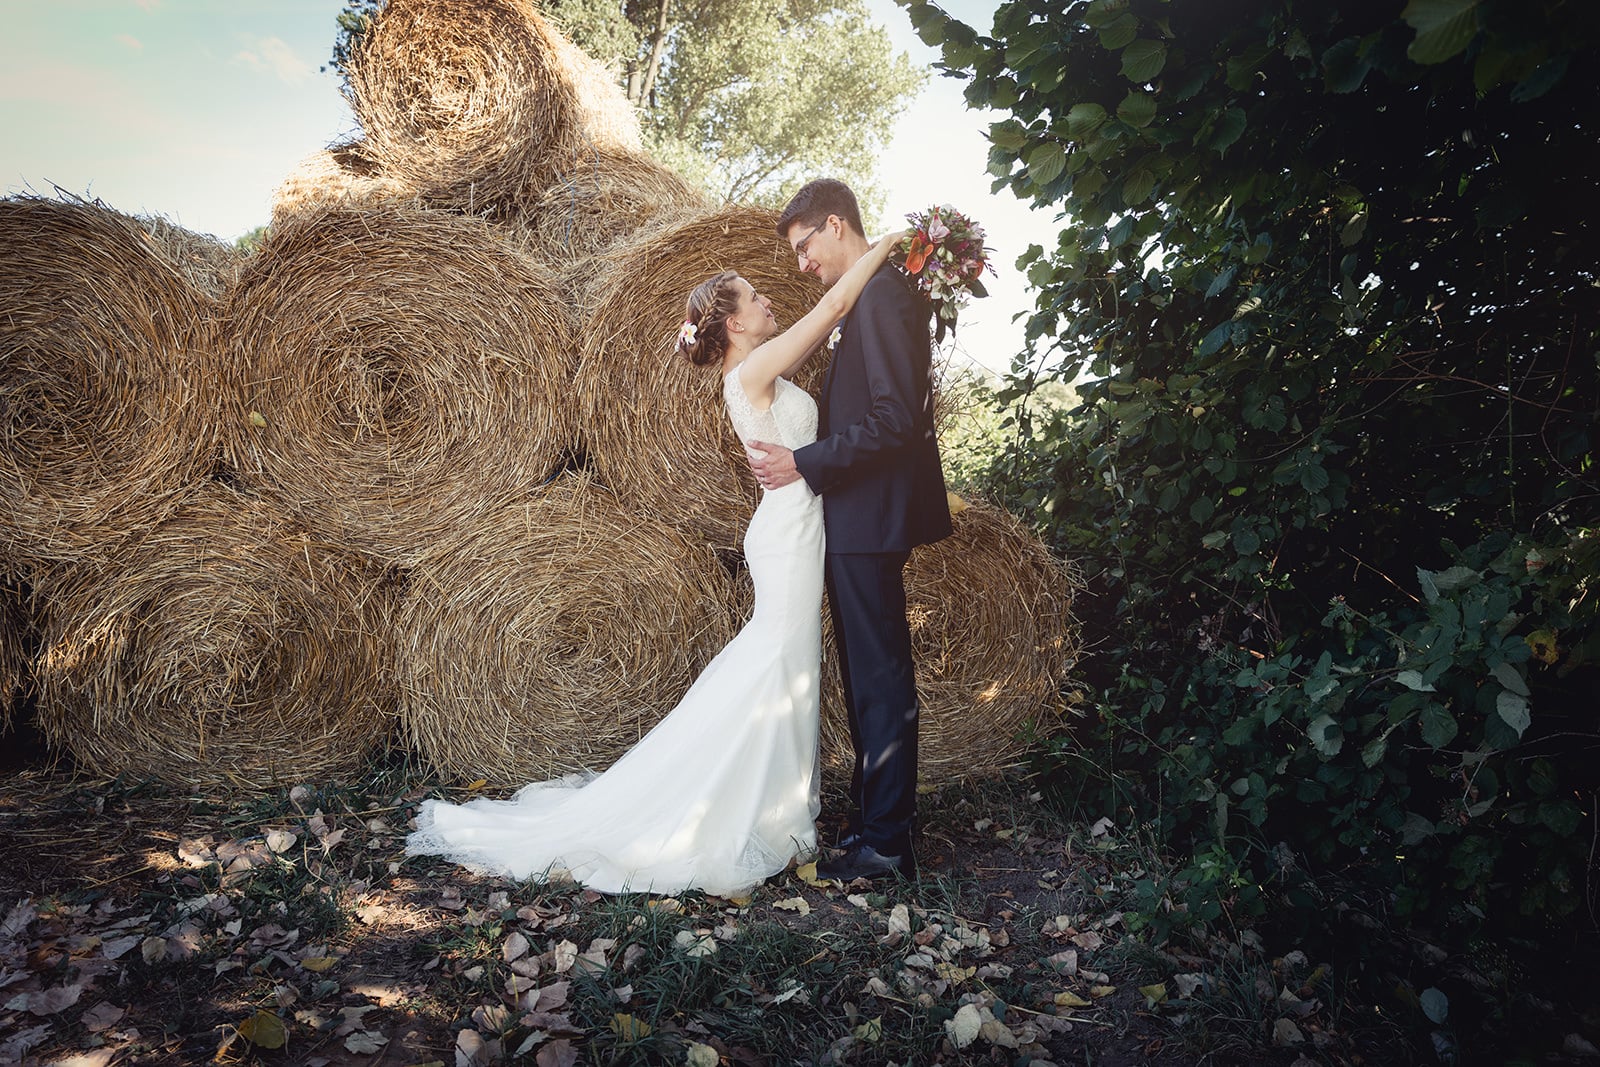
(196, 109)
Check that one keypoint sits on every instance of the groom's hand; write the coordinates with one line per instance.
(773, 464)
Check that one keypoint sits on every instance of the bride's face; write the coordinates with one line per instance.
(754, 318)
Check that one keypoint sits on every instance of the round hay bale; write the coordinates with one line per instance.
(994, 641)
(472, 102)
(225, 647)
(553, 635)
(109, 392)
(13, 652)
(401, 372)
(341, 176)
(654, 425)
(603, 198)
(207, 263)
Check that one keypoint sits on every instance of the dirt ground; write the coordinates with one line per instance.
(139, 925)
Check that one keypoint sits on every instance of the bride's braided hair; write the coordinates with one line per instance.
(709, 307)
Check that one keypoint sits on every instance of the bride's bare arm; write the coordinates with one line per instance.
(784, 353)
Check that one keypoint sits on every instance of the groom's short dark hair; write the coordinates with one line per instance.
(818, 199)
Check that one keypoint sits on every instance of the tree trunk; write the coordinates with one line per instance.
(658, 44)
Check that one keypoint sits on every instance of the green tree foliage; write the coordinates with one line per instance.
(750, 98)
(1331, 271)
(251, 241)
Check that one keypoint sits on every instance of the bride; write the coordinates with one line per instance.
(723, 792)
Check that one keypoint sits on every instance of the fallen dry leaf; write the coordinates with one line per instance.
(964, 1028)
(629, 1028)
(102, 1016)
(695, 945)
(515, 948)
(365, 1042)
(795, 904)
(118, 947)
(565, 954)
(264, 1030)
(46, 1001)
(472, 1050)
(558, 1053)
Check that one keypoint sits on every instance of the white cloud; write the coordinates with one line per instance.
(147, 5)
(270, 55)
(130, 41)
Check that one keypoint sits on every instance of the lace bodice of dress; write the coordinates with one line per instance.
(791, 421)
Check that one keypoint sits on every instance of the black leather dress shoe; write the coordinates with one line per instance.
(850, 840)
(864, 861)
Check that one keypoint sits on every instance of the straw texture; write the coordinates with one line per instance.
(475, 102)
(225, 647)
(207, 264)
(552, 636)
(604, 198)
(654, 425)
(994, 641)
(13, 653)
(400, 372)
(341, 176)
(108, 382)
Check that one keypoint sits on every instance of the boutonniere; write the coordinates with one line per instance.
(833, 338)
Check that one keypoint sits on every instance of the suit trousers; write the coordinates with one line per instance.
(867, 599)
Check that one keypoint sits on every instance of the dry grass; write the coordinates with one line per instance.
(994, 640)
(341, 176)
(225, 648)
(400, 374)
(108, 379)
(655, 426)
(14, 666)
(210, 265)
(601, 200)
(475, 102)
(551, 636)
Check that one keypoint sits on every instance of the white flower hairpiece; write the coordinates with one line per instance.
(686, 334)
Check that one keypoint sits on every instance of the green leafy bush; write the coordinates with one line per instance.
(1332, 478)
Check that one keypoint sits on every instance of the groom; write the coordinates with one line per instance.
(876, 466)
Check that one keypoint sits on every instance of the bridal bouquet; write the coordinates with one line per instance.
(944, 258)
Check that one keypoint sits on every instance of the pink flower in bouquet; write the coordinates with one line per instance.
(945, 257)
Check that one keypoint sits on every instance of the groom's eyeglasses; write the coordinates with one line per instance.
(800, 245)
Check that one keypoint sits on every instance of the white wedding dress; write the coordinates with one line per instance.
(723, 792)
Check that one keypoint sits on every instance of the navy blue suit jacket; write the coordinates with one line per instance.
(876, 461)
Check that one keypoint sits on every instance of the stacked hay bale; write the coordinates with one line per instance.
(14, 664)
(207, 264)
(339, 176)
(477, 105)
(599, 202)
(551, 638)
(994, 640)
(654, 425)
(227, 647)
(109, 384)
(430, 461)
(399, 373)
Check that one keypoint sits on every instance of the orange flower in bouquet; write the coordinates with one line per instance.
(945, 257)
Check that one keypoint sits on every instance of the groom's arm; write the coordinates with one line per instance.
(890, 325)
